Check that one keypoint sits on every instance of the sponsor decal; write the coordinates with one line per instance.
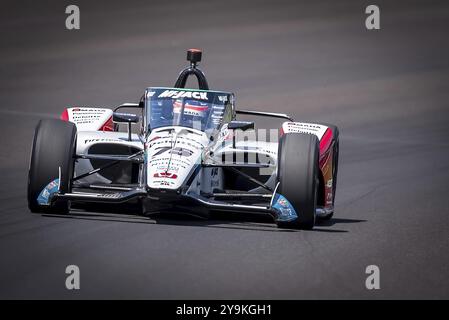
(329, 198)
(173, 164)
(169, 175)
(172, 155)
(223, 98)
(284, 208)
(283, 202)
(225, 133)
(183, 152)
(217, 114)
(192, 108)
(162, 183)
(102, 140)
(310, 128)
(90, 118)
(45, 196)
(108, 195)
(175, 94)
(181, 140)
(164, 167)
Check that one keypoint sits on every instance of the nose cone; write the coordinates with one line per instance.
(172, 154)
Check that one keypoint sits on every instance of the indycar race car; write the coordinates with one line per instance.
(189, 155)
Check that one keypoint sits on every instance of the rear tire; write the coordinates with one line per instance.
(298, 170)
(53, 147)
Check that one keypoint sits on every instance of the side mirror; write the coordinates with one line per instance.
(242, 125)
(120, 117)
(129, 118)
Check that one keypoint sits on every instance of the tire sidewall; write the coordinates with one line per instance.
(297, 175)
(53, 146)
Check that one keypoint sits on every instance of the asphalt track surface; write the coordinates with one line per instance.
(387, 90)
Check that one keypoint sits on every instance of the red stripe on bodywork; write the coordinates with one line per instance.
(65, 115)
(325, 141)
(165, 175)
(107, 126)
(196, 108)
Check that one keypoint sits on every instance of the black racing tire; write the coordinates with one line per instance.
(298, 171)
(53, 146)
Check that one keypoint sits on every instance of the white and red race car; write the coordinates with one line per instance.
(190, 155)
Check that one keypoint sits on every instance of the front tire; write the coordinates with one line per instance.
(53, 147)
(298, 170)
